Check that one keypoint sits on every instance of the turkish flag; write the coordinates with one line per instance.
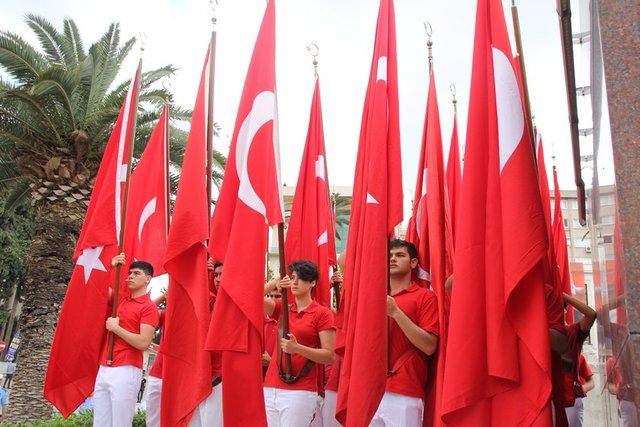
(147, 213)
(500, 374)
(433, 238)
(549, 265)
(561, 260)
(80, 333)
(250, 200)
(454, 177)
(375, 210)
(186, 376)
(311, 234)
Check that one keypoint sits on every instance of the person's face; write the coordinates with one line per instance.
(217, 276)
(400, 262)
(300, 287)
(137, 280)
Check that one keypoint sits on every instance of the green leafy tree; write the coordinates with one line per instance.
(342, 210)
(15, 237)
(58, 105)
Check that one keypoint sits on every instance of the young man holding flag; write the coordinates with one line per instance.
(413, 335)
(116, 390)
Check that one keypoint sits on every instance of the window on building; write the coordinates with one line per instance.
(607, 239)
(608, 219)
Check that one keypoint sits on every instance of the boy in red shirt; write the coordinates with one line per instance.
(117, 385)
(413, 336)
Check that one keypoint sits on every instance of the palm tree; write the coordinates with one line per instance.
(342, 211)
(58, 105)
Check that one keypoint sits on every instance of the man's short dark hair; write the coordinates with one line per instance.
(399, 243)
(306, 270)
(142, 265)
(217, 264)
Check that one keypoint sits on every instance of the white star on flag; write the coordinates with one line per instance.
(90, 260)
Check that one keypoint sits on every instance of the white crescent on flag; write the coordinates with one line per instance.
(149, 209)
(320, 167)
(262, 112)
(508, 106)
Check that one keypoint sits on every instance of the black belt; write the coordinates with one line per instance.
(216, 381)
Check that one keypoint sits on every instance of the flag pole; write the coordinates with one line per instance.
(123, 216)
(285, 301)
(314, 51)
(429, 31)
(166, 148)
(167, 180)
(210, 127)
(523, 71)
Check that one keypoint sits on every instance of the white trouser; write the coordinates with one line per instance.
(115, 395)
(206, 414)
(152, 395)
(628, 413)
(289, 408)
(218, 419)
(317, 417)
(575, 413)
(329, 409)
(396, 410)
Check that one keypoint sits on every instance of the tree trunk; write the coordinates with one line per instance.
(57, 224)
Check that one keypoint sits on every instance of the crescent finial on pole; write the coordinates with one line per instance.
(142, 37)
(429, 31)
(452, 88)
(314, 51)
(166, 85)
(213, 4)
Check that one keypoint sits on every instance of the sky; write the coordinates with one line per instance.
(177, 32)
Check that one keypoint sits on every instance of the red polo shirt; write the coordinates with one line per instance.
(421, 306)
(305, 325)
(132, 313)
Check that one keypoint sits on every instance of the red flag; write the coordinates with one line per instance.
(147, 214)
(454, 177)
(310, 234)
(77, 344)
(433, 238)
(186, 377)
(376, 210)
(561, 261)
(249, 201)
(549, 266)
(499, 375)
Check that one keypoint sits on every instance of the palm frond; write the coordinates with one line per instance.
(19, 59)
(50, 39)
(72, 41)
(59, 84)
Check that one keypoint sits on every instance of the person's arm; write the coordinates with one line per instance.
(324, 354)
(161, 298)
(421, 339)
(269, 303)
(139, 341)
(589, 314)
(448, 284)
(589, 385)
